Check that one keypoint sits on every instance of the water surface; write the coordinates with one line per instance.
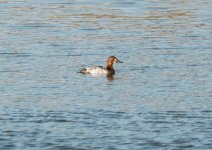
(160, 97)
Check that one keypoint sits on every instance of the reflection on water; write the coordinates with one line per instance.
(160, 98)
(109, 77)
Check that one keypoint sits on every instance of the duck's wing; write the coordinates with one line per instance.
(99, 67)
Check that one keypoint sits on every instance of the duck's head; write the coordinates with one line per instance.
(112, 59)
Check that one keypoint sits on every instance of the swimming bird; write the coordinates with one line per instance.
(108, 70)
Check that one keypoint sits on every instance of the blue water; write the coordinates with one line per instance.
(160, 97)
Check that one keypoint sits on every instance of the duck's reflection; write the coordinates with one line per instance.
(110, 77)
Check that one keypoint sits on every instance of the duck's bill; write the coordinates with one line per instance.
(119, 61)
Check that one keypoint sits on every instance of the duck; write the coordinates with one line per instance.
(100, 70)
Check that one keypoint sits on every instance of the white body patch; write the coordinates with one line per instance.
(96, 70)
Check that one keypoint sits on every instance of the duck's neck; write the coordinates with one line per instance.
(109, 66)
(110, 69)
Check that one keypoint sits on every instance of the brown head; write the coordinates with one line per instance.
(111, 60)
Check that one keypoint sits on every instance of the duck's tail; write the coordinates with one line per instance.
(83, 70)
